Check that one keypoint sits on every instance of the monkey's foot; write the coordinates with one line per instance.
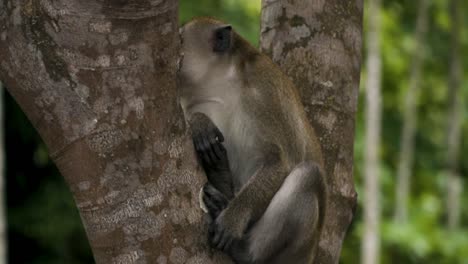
(226, 230)
(214, 200)
(220, 238)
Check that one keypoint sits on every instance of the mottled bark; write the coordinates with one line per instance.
(410, 118)
(454, 182)
(98, 81)
(318, 44)
(371, 237)
(3, 216)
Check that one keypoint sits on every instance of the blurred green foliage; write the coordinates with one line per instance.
(424, 239)
(42, 216)
(244, 15)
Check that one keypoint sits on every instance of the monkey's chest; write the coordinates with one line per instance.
(240, 139)
(242, 149)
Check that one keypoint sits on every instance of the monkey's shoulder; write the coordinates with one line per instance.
(264, 73)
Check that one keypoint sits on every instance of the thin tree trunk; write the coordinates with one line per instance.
(454, 182)
(98, 81)
(410, 118)
(371, 238)
(3, 215)
(318, 44)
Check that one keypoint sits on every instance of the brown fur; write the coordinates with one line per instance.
(258, 109)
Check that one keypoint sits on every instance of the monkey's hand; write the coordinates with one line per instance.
(207, 140)
(228, 228)
(211, 153)
(214, 200)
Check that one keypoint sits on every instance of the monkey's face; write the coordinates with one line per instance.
(206, 46)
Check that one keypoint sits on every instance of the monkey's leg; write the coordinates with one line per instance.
(287, 231)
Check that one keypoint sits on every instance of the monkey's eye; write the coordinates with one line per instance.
(222, 39)
(219, 36)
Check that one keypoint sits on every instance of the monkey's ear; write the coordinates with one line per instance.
(222, 39)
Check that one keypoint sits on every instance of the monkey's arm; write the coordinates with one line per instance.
(250, 203)
(211, 153)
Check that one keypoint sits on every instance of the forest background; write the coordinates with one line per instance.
(44, 226)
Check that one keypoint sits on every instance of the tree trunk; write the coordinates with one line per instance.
(3, 216)
(318, 44)
(371, 241)
(410, 118)
(454, 182)
(98, 81)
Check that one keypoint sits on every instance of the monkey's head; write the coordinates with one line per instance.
(207, 44)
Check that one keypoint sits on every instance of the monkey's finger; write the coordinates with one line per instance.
(204, 142)
(213, 209)
(196, 144)
(214, 148)
(205, 147)
(215, 196)
(209, 202)
(219, 135)
(217, 149)
(203, 159)
(224, 241)
(215, 204)
(217, 236)
(209, 151)
(211, 234)
(220, 201)
(228, 244)
(222, 148)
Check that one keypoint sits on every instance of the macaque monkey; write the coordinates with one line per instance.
(266, 190)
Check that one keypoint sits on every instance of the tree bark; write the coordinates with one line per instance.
(3, 216)
(410, 118)
(318, 44)
(371, 238)
(454, 182)
(98, 81)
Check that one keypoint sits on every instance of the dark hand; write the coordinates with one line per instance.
(214, 200)
(211, 153)
(228, 229)
(207, 140)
